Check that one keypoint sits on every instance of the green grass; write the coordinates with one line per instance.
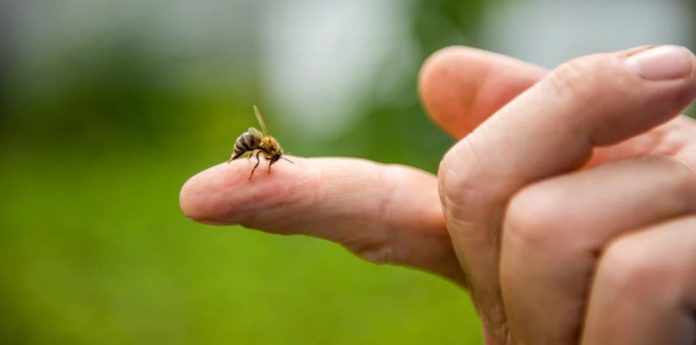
(95, 250)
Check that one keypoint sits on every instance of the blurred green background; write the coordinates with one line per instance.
(107, 107)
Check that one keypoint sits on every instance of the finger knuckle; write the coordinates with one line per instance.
(532, 219)
(461, 173)
(575, 80)
(627, 268)
(683, 183)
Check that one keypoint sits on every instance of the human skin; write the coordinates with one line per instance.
(566, 207)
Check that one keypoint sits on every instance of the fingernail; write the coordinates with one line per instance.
(662, 63)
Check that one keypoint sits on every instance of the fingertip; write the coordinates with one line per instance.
(199, 196)
(224, 193)
(185, 200)
(461, 87)
(445, 90)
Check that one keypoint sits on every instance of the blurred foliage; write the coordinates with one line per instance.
(95, 142)
(97, 252)
(441, 23)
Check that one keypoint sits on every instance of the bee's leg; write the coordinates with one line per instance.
(258, 161)
(271, 161)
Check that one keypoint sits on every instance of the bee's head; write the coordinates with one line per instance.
(276, 157)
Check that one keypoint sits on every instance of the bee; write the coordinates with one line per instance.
(252, 142)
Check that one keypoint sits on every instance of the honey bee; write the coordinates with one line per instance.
(252, 142)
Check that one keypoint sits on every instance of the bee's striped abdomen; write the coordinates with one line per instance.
(246, 142)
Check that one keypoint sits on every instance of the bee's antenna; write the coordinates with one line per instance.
(259, 118)
(288, 160)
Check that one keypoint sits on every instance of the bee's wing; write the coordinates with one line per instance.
(259, 118)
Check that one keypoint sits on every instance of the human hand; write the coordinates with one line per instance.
(543, 242)
(391, 213)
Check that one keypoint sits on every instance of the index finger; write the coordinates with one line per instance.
(383, 213)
